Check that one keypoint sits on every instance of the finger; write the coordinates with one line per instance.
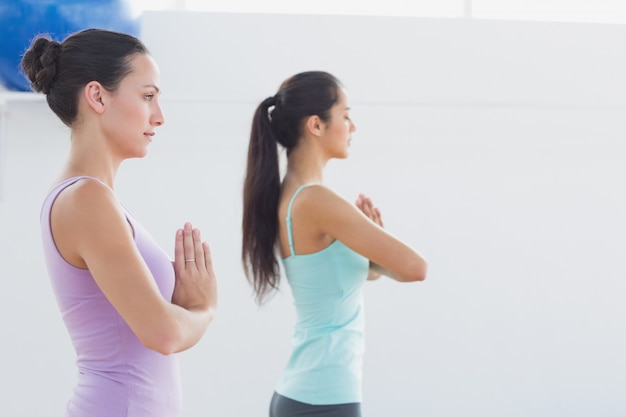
(179, 253)
(374, 214)
(188, 245)
(380, 217)
(197, 248)
(208, 261)
(367, 208)
(359, 202)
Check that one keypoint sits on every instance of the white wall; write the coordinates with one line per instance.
(495, 148)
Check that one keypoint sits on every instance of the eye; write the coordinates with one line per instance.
(149, 96)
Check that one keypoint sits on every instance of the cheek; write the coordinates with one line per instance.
(130, 109)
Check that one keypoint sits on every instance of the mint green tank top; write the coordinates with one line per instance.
(326, 363)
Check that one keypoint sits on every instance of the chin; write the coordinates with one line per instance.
(139, 154)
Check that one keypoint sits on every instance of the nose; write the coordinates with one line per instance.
(352, 126)
(157, 117)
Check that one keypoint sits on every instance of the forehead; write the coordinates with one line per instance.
(144, 71)
(342, 100)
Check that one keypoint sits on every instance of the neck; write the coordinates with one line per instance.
(305, 165)
(88, 159)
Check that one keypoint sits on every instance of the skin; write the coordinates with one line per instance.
(321, 216)
(91, 231)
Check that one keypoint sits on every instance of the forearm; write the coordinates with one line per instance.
(192, 323)
(374, 272)
(381, 270)
(376, 269)
(178, 330)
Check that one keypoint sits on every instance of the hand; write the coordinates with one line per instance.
(365, 204)
(196, 286)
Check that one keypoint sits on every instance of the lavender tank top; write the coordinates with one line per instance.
(117, 375)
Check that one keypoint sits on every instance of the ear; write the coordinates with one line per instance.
(314, 125)
(93, 94)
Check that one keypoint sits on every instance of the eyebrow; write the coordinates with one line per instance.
(158, 90)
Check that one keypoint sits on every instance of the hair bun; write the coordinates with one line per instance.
(40, 63)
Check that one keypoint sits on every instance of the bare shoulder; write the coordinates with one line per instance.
(325, 208)
(86, 218)
(320, 199)
(86, 199)
(315, 214)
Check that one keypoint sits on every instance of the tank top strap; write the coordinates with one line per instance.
(69, 181)
(289, 232)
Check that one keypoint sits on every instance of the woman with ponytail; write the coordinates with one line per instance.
(328, 246)
(127, 307)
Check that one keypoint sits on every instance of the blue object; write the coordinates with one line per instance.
(22, 20)
(328, 342)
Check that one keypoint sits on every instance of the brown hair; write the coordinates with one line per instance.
(61, 70)
(277, 120)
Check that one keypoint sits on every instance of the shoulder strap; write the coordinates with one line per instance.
(72, 180)
(289, 226)
(57, 189)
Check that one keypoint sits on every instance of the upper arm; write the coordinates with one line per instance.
(91, 226)
(342, 220)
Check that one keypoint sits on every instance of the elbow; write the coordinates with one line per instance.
(165, 348)
(162, 341)
(172, 336)
(421, 276)
(417, 272)
(415, 277)
(423, 269)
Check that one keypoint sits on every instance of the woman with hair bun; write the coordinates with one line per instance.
(127, 307)
(328, 246)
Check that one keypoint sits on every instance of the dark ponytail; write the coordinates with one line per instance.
(277, 120)
(260, 199)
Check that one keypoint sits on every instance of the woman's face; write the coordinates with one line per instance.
(337, 133)
(133, 110)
